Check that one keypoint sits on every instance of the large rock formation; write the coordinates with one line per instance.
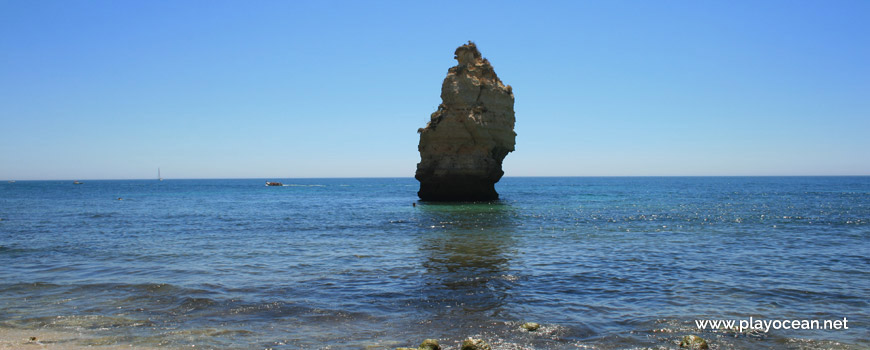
(463, 145)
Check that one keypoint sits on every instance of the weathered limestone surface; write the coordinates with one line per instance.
(463, 145)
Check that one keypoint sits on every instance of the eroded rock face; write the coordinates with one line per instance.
(463, 145)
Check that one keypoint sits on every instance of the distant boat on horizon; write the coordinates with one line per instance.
(159, 178)
(11, 181)
(77, 182)
(269, 183)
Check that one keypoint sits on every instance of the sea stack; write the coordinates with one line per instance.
(463, 145)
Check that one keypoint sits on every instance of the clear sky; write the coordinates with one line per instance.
(277, 89)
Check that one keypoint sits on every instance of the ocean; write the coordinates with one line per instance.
(600, 263)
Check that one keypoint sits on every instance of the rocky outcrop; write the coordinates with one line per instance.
(463, 145)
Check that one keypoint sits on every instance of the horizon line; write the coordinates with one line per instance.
(411, 177)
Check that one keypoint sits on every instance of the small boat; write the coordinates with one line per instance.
(159, 178)
(77, 182)
(269, 183)
(12, 181)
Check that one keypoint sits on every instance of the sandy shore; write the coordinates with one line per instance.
(22, 339)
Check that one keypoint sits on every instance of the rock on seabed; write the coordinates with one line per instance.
(463, 145)
(428, 344)
(475, 344)
(531, 326)
(693, 342)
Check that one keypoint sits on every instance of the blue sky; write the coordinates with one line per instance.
(277, 89)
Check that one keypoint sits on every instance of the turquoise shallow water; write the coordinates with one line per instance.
(605, 263)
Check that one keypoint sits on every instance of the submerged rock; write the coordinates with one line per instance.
(428, 344)
(531, 326)
(475, 344)
(693, 342)
(463, 145)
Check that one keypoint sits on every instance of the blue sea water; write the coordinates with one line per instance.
(602, 263)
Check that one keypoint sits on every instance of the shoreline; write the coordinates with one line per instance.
(16, 339)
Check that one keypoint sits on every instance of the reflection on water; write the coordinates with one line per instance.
(468, 250)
